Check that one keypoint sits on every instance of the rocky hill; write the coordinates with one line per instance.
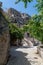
(17, 17)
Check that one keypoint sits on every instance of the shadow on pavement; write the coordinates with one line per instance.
(18, 58)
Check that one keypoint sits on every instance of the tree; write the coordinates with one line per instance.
(24, 1)
(35, 26)
(40, 17)
(16, 33)
(39, 5)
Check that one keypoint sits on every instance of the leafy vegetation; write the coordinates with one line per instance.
(39, 5)
(24, 1)
(16, 33)
(35, 26)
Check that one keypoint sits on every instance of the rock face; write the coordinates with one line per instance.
(16, 17)
(40, 50)
(4, 39)
(19, 19)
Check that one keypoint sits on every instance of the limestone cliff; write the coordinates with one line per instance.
(17, 17)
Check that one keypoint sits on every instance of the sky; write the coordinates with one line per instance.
(31, 10)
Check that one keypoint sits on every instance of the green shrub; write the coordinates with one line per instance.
(15, 32)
